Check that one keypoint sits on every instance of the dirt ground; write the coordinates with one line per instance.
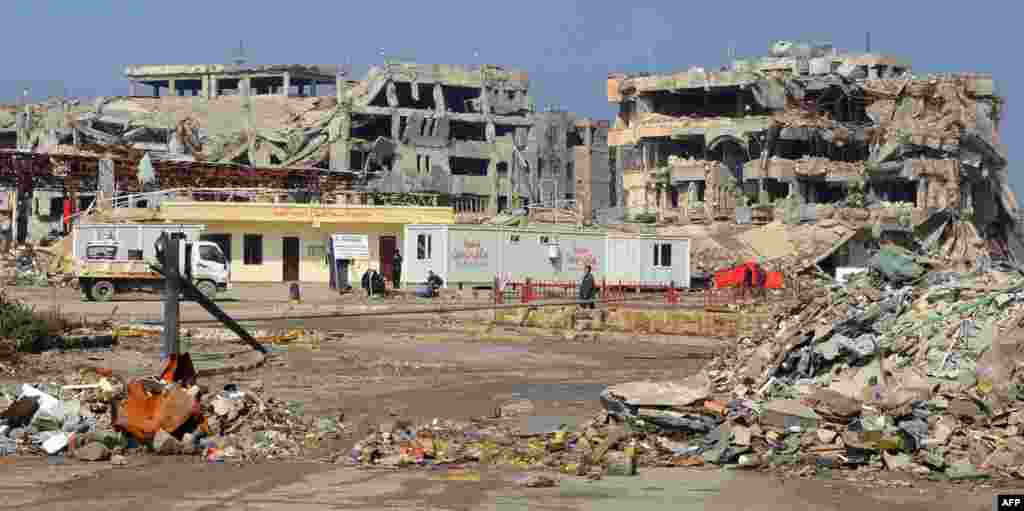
(420, 368)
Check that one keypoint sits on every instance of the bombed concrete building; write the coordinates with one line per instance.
(467, 135)
(473, 135)
(809, 125)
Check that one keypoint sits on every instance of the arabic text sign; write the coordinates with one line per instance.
(351, 246)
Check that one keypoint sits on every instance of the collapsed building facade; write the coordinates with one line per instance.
(468, 135)
(810, 126)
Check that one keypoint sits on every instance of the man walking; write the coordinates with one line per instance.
(587, 289)
(396, 269)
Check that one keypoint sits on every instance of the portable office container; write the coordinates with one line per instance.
(473, 255)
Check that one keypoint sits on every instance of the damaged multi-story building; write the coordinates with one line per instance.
(472, 134)
(811, 125)
(468, 135)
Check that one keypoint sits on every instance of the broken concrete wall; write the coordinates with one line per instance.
(859, 124)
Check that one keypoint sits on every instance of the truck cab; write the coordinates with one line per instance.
(211, 266)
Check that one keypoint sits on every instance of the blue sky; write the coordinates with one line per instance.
(568, 47)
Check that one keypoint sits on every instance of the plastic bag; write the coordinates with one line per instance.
(50, 415)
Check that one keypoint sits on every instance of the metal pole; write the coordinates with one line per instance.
(172, 288)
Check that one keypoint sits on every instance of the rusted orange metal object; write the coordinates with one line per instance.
(151, 407)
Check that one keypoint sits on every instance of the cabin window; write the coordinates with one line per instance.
(423, 246)
(316, 251)
(662, 255)
(102, 252)
(545, 240)
(513, 239)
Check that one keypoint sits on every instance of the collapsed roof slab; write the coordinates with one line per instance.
(509, 120)
(449, 74)
(318, 73)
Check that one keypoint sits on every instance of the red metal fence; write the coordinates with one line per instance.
(529, 290)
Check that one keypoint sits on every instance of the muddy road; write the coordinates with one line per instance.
(419, 368)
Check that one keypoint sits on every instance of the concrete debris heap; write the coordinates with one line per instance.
(903, 369)
(102, 416)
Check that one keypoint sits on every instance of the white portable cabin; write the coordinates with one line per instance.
(473, 255)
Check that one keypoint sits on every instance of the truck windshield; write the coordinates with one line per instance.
(211, 253)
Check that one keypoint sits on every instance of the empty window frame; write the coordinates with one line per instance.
(252, 249)
(662, 255)
(316, 251)
(423, 246)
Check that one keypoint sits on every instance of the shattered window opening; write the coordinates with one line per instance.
(503, 130)
(473, 131)
(371, 127)
(573, 139)
(56, 207)
(458, 99)
(468, 166)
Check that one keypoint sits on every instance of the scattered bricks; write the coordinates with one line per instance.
(826, 436)
(515, 408)
(741, 435)
(94, 451)
(787, 413)
(538, 481)
(164, 443)
(965, 409)
(620, 463)
(830, 402)
(715, 407)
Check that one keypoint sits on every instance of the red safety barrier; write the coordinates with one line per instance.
(531, 290)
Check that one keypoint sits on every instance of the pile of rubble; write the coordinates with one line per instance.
(28, 265)
(103, 418)
(899, 369)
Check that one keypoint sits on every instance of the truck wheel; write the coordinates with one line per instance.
(86, 288)
(103, 291)
(207, 288)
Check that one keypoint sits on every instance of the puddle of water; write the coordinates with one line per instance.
(558, 391)
(616, 493)
(544, 424)
(447, 348)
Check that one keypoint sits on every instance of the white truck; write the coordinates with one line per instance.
(113, 258)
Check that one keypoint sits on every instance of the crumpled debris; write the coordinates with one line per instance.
(921, 377)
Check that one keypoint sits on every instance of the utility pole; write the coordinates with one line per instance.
(172, 290)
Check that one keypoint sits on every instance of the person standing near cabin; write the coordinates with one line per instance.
(396, 269)
(377, 283)
(587, 289)
(369, 281)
